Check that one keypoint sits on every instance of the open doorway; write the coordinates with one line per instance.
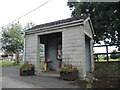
(52, 49)
(88, 53)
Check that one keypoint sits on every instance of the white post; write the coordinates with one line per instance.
(24, 50)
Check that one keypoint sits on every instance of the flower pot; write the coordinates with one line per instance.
(70, 76)
(27, 73)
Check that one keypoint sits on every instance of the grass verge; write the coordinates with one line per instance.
(7, 63)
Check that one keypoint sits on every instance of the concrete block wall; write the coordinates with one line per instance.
(31, 49)
(92, 57)
(73, 45)
(88, 32)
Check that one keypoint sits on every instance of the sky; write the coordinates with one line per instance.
(52, 11)
(11, 10)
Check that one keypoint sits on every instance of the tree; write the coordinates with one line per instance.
(12, 40)
(105, 18)
(29, 25)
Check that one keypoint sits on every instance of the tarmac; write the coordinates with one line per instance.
(12, 79)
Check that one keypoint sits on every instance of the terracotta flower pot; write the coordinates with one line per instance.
(27, 73)
(70, 76)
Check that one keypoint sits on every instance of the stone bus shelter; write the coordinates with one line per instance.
(65, 41)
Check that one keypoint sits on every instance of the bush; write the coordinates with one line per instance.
(114, 55)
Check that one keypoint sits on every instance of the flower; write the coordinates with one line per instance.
(30, 64)
(48, 61)
(68, 68)
(26, 66)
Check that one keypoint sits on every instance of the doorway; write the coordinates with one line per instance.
(88, 53)
(53, 49)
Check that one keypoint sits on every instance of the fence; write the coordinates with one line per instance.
(96, 58)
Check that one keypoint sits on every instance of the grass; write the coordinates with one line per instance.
(7, 63)
(102, 60)
(107, 68)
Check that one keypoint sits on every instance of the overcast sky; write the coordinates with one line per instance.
(52, 11)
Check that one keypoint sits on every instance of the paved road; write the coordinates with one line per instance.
(12, 79)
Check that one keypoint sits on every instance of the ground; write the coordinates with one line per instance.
(12, 79)
(107, 75)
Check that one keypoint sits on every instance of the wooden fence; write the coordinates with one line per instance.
(107, 53)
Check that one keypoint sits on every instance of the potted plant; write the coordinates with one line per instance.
(26, 69)
(68, 72)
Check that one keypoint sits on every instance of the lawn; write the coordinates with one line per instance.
(7, 63)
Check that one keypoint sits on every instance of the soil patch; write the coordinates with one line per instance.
(107, 81)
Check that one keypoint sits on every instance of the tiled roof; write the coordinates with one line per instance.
(59, 22)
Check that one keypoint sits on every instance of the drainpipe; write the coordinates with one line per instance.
(24, 49)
